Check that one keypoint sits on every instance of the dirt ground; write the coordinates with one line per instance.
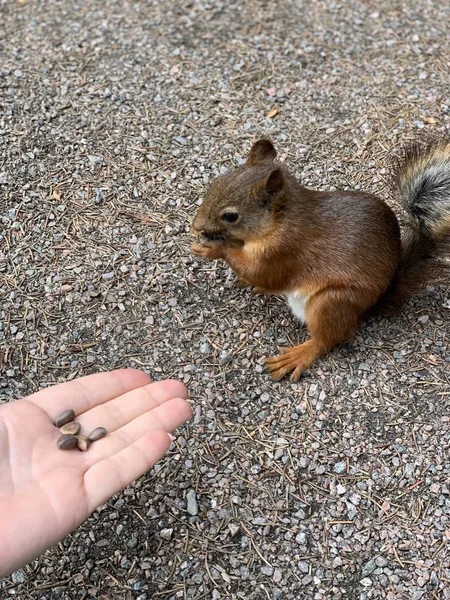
(114, 116)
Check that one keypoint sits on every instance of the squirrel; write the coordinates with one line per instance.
(333, 255)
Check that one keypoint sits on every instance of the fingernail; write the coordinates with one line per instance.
(171, 437)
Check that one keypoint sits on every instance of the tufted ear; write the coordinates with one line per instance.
(262, 151)
(274, 181)
(270, 184)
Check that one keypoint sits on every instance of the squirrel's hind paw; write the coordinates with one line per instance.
(296, 359)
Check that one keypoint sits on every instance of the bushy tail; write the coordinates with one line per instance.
(423, 180)
(424, 185)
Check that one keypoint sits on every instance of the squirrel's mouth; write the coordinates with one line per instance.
(213, 236)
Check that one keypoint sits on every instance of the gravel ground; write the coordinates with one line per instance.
(113, 118)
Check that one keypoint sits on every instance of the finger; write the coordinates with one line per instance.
(106, 478)
(166, 417)
(119, 411)
(87, 392)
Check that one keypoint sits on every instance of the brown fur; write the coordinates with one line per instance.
(341, 248)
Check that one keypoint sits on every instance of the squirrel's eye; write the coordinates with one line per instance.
(230, 217)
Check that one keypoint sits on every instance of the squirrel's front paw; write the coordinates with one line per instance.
(243, 283)
(207, 252)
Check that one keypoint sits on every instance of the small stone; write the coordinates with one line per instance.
(303, 566)
(204, 348)
(166, 534)
(18, 576)
(67, 442)
(94, 159)
(266, 570)
(71, 428)
(64, 417)
(192, 505)
(197, 578)
(301, 538)
(125, 563)
(366, 582)
(380, 561)
(340, 467)
(83, 442)
(369, 567)
(245, 572)
(233, 528)
(277, 575)
(98, 196)
(97, 434)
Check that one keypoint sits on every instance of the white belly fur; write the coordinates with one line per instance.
(297, 303)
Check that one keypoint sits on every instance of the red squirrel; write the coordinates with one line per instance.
(333, 255)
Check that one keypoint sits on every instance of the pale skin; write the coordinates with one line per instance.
(45, 492)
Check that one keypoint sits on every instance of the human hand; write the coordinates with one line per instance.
(46, 492)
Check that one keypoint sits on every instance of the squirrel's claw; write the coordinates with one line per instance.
(243, 283)
(279, 366)
(259, 290)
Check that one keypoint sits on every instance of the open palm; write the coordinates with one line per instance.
(46, 492)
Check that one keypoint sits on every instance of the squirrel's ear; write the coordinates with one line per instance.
(270, 184)
(274, 181)
(261, 151)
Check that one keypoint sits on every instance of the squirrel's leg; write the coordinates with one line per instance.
(332, 317)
